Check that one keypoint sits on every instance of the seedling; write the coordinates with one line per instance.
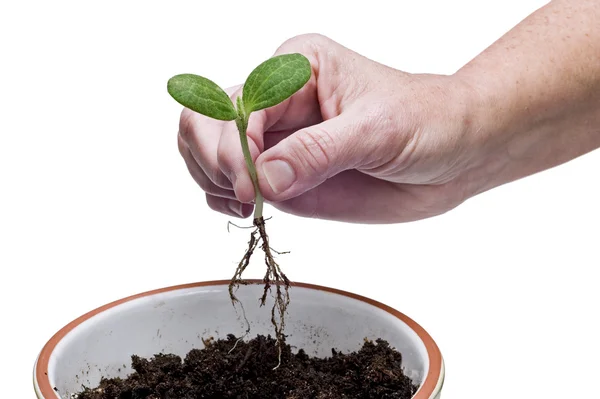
(271, 83)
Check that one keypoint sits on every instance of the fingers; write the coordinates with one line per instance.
(198, 141)
(217, 198)
(219, 165)
(229, 207)
(198, 174)
(201, 138)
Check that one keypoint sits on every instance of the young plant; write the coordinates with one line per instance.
(269, 84)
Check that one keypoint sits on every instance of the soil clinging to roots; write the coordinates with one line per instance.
(273, 277)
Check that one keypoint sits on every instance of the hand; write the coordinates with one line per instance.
(361, 142)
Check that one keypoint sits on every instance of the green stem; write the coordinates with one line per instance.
(242, 125)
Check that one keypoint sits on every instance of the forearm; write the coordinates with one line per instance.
(536, 95)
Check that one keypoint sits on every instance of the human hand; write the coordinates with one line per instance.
(361, 142)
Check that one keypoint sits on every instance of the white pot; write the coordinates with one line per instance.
(175, 319)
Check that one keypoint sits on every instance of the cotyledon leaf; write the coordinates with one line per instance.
(275, 80)
(201, 95)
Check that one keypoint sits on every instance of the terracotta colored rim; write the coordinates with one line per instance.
(426, 390)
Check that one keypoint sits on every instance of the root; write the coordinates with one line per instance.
(236, 280)
(273, 276)
(237, 341)
(280, 253)
(238, 226)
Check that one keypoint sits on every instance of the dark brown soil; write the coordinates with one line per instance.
(375, 371)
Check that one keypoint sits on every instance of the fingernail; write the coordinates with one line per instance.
(279, 175)
(235, 207)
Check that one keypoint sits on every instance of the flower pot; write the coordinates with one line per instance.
(176, 319)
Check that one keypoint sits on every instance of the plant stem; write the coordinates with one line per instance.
(242, 125)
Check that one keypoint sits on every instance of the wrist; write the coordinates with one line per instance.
(486, 134)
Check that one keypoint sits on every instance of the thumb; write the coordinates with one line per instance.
(310, 156)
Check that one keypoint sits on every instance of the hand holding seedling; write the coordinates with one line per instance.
(269, 84)
(362, 142)
(343, 147)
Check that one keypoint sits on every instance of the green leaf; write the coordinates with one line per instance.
(201, 95)
(275, 80)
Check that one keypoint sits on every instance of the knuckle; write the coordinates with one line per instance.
(313, 38)
(186, 124)
(305, 42)
(316, 148)
(206, 183)
(218, 178)
(224, 163)
(208, 166)
(222, 155)
(212, 190)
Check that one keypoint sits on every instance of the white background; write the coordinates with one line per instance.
(96, 203)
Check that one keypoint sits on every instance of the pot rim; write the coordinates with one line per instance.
(431, 386)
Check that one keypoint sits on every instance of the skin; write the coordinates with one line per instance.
(365, 143)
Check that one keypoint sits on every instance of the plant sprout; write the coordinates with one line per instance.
(269, 84)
